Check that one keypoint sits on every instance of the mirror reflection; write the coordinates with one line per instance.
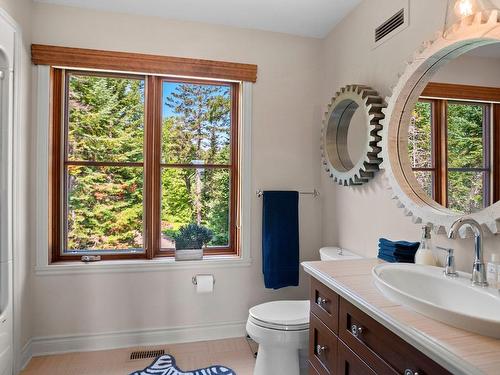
(454, 133)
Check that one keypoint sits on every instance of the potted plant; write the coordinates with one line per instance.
(190, 240)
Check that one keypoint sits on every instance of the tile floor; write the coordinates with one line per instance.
(234, 353)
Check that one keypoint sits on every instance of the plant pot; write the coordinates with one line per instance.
(189, 254)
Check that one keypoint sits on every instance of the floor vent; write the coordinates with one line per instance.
(390, 25)
(147, 354)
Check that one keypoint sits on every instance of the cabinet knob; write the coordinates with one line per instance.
(357, 331)
(321, 301)
(411, 372)
(321, 349)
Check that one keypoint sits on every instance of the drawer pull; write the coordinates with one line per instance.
(321, 349)
(357, 331)
(321, 301)
(410, 372)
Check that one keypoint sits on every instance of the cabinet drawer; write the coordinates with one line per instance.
(325, 305)
(382, 350)
(351, 364)
(322, 347)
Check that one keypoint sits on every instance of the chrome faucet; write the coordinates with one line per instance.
(478, 267)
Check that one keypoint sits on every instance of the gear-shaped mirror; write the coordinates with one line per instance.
(350, 136)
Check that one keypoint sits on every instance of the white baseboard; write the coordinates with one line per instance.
(123, 339)
(26, 355)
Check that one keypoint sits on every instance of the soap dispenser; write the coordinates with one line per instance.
(424, 253)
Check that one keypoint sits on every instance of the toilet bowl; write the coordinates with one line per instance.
(281, 329)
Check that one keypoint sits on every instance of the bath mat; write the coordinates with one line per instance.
(165, 365)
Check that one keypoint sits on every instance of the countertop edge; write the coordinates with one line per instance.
(422, 342)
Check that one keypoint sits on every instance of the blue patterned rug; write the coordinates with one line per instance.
(165, 365)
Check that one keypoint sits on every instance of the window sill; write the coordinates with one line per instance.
(154, 265)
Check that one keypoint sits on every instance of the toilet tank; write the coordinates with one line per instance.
(337, 253)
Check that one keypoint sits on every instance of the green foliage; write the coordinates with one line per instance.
(106, 123)
(198, 131)
(465, 150)
(192, 236)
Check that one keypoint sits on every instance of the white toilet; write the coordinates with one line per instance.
(281, 329)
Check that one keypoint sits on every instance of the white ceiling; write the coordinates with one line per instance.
(313, 18)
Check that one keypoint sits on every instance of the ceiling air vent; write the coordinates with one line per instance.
(389, 26)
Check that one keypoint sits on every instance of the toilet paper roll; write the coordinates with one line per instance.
(204, 283)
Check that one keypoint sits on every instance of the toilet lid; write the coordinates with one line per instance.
(282, 314)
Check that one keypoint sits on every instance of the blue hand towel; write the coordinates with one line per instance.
(386, 242)
(387, 258)
(397, 254)
(280, 239)
(397, 251)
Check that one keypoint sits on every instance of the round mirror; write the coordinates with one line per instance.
(350, 135)
(441, 134)
(454, 132)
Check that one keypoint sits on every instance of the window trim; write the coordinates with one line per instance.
(152, 167)
(440, 94)
(92, 59)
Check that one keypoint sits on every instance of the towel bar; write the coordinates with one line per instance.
(315, 193)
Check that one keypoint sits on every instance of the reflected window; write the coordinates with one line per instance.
(450, 153)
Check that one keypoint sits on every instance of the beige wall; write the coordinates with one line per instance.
(356, 217)
(285, 155)
(471, 70)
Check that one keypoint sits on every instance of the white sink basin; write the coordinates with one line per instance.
(452, 301)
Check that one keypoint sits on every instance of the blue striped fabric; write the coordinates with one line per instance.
(165, 365)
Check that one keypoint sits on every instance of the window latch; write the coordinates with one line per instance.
(91, 258)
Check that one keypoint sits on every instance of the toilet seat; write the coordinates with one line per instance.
(281, 315)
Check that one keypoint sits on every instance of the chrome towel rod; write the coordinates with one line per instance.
(315, 193)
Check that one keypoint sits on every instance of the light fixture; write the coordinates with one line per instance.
(459, 10)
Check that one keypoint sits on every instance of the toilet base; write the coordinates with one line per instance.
(277, 361)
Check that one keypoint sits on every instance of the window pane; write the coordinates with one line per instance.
(105, 208)
(105, 119)
(200, 196)
(425, 179)
(465, 135)
(196, 123)
(420, 136)
(466, 191)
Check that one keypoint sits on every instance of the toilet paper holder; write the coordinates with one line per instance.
(195, 281)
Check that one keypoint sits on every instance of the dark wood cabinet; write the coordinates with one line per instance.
(350, 364)
(322, 347)
(344, 340)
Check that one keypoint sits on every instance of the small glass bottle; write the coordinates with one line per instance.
(424, 254)
(492, 270)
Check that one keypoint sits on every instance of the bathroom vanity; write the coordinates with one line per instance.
(354, 329)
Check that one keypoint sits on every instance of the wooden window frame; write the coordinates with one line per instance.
(152, 166)
(440, 95)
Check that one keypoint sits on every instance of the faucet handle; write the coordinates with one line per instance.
(449, 268)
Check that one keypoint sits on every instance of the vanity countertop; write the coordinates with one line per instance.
(459, 351)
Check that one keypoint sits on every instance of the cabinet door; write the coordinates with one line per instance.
(350, 364)
(325, 305)
(381, 349)
(322, 347)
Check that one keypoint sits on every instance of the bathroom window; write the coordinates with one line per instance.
(136, 158)
(449, 143)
